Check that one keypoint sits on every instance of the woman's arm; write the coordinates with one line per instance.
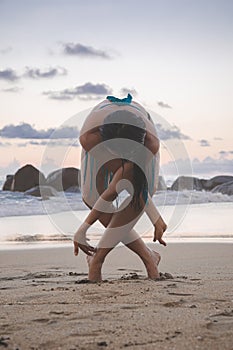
(90, 138)
(151, 142)
(157, 221)
(103, 204)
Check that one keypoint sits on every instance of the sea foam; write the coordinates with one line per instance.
(18, 204)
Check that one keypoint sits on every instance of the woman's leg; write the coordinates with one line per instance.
(120, 228)
(151, 262)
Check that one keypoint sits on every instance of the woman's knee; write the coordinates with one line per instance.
(100, 255)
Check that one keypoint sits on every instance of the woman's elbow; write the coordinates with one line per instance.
(152, 143)
(156, 145)
(83, 140)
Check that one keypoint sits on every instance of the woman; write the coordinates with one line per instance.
(119, 223)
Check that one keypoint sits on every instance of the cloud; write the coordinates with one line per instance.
(57, 143)
(207, 167)
(125, 91)
(11, 75)
(214, 165)
(218, 139)
(163, 105)
(84, 51)
(224, 154)
(51, 72)
(14, 89)
(204, 143)
(6, 50)
(33, 143)
(172, 133)
(26, 131)
(8, 74)
(87, 91)
(63, 95)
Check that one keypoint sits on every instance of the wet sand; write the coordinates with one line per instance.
(47, 304)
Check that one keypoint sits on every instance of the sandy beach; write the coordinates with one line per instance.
(46, 304)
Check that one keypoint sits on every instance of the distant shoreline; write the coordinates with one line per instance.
(200, 224)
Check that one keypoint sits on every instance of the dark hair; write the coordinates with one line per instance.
(123, 124)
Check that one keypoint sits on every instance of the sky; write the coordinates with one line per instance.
(58, 58)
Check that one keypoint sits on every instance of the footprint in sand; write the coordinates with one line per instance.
(220, 326)
(174, 303)
(195, 279)
(180, 294)
(164, 276)
(130, 276)
(171, 285)
(10, 328)
(100, 295)
(93, 333)
(224, 313)
(38, 275)
(4, 341)
(57, 312)
(134, 270)
(223, 322)
(130, 307)
(77, 273)
(41, 320)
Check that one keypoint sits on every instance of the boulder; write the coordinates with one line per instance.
(41, 191)
(27, 177)
(8, 183)
(161, 184)
(187, 183)
(208, 185)
(63, 179)
(225, 188)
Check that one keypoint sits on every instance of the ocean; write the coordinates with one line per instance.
(27, 221)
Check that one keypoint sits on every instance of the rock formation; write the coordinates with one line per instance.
(186, 183)
(27, 177)
(63, 179)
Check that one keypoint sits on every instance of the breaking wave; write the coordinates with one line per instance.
(17, 204)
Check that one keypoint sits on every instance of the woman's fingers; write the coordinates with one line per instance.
(161, 241)
(158, 233)
(76, 248)
(87, 249)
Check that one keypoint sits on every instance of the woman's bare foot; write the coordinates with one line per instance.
(155, 256)
(94, 274)
(152, 265)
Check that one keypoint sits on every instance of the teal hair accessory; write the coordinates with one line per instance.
(120, 101)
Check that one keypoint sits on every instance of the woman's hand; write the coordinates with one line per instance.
(80, 241)
(87, 249)
(160, 228)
